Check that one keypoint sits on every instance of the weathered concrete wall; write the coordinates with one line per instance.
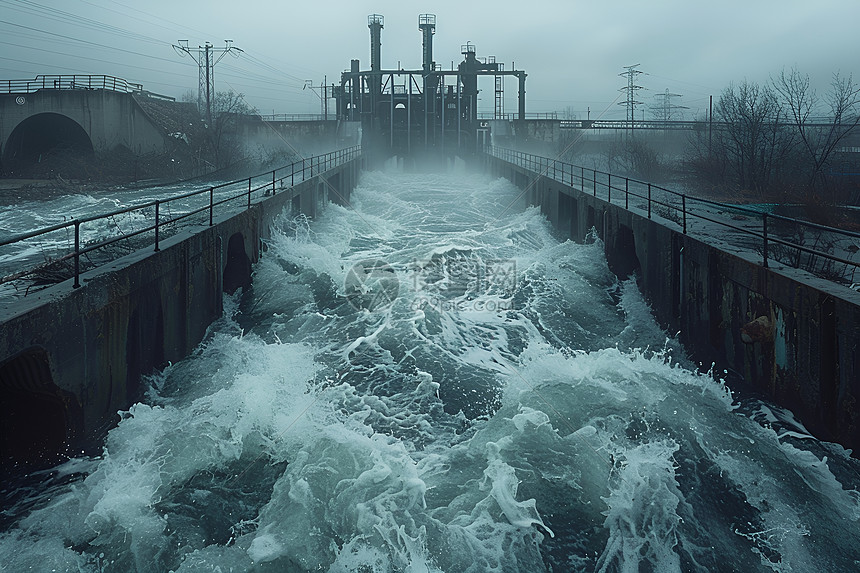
(109, 118)
(136, 314)
(791, 336)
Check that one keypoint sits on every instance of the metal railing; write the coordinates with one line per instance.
(298, 117)
(265, 184)
(69, 82)
(619, 124)
(514, 115)
(774, 237)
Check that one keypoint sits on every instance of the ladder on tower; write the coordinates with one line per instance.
(499, 107)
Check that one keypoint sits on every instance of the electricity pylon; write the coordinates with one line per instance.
(631, 88)
(204, 60)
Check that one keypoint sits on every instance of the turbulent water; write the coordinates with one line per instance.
(38, 209)
(432, 381)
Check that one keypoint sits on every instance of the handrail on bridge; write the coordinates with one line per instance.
(601, 184)
(69, 82)
(514, 116)
(298, 117)
(302, 169)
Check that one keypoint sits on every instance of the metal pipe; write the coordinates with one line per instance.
(391, 113)
(459, 114)
(409, 117)
(442, 140)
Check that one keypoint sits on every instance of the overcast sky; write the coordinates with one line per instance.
(572, 50)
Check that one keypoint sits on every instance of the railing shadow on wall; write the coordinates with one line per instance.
(157, 217)
(785, 240)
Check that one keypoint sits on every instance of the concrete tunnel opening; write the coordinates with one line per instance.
(623, 260)
(237, 271)
(47, 144)
(35, 414)
(144, 346)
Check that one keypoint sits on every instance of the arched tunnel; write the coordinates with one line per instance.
(46, 145)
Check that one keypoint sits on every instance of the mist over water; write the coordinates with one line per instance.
(432, 381)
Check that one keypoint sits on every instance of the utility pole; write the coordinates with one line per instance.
(206, 65)
(710, 122)
(324, 94)
(631, 88)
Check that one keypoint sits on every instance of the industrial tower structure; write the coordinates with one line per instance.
(426, 108)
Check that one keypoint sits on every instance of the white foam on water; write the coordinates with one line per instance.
(472, 425)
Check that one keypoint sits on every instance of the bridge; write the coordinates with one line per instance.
(84, 115)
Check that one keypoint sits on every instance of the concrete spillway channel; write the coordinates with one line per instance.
(792, 336)
(72, 357)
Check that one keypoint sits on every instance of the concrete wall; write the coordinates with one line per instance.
(80, 352)
(109, 118)
(790, 336)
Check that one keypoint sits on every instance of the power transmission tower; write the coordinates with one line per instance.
(664, 110)
(204, 61)
(631, 88)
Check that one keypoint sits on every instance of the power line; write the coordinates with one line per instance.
(69, 69)
(67, 17)
(91, 59)
(86, 41)
(50, 14)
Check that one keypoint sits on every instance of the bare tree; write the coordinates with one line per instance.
(188, 96)
(753, 141)
(634, 157)
(223, 136)
(819, 139)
